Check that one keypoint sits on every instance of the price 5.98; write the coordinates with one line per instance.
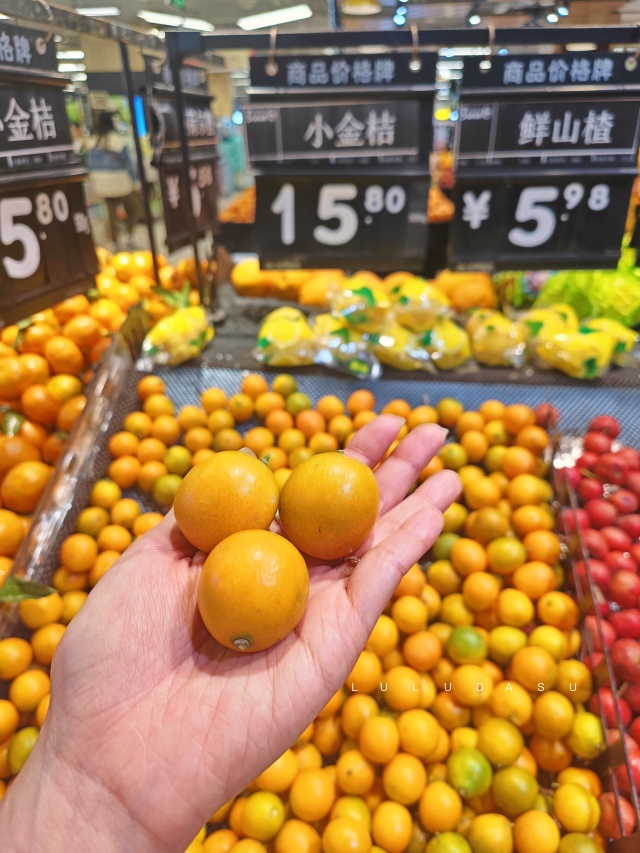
(532, 207)
(47, 208)
(333, 204)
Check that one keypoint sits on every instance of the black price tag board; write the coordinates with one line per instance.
(575, 134)
(34, 128)
(587, 71)
(26, 50)
(342, 134)
(45, 246)
(343, 73)
(379, 221)
(545, 222)
(199, 123)
(175, 203)
(192, 77)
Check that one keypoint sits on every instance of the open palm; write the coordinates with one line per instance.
(161, 723)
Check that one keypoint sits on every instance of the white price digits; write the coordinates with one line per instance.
(530, 208)
(332, 204)
(47, 209)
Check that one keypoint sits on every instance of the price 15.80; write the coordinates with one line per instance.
(333, 204)
(45, 209)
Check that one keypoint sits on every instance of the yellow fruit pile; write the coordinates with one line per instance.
(104, 530)
(468, 686)
(127, 278)
(45, 362)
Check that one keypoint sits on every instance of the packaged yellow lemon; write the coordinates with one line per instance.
(397, 347)
(567, 314)
(585, 354)
(541, 324)
(341, 347)
(477, 317)
(448, 344)
(366, 308)
(497, 341)
(626, 339)
(285, 339)
(179, 337)
(419, 305)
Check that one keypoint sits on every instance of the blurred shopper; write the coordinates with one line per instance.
(114, 175)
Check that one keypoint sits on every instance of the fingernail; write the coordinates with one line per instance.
(443, 430)
(401, 421)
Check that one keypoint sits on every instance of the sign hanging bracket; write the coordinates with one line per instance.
(271, 67)
(632, 62)
(486, 65)
(416, 63)
(51, 19)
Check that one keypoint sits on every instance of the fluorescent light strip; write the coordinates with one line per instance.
(161, 19)
(197, 24)
(99, 11)
(278, 16)
(67, 67)
(70, 54)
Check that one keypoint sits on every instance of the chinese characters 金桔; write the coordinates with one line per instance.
(557, 70)
(339, 72)
(25, 125)
(376, 131)
(595, 128)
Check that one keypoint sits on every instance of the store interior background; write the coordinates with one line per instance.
(98, 83)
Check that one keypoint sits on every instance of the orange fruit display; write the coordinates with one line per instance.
(245, 605)
(329, 505)
(226, 493)
(24, 485)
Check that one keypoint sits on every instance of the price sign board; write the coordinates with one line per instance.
(34, 128)
(318, 131)
(546, 153)
(548, 133)
(175, 202)
(45, 243)
(379, 220)
(22, 49)
(521, 223)
(305, 73)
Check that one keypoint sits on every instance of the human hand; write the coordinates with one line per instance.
(153, 725)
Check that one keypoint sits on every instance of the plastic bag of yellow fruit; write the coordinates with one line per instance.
(285, 339)
(179, 337)
(495, 339)
(398, 347)
(419, 304)
(364, 307)
(448, 345)
(343, 348)
(321, 288)
(540, 325)
(627, 340)
(585, 354)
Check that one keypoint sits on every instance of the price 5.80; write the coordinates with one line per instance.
(532, 207)
(47, 208)
(332, 204)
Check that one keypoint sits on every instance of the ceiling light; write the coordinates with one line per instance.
(278, 16)
(399, 20)
(78, 78)
(197, 24)
(361, 7)
(99, 11)
(474, 19)
(70, 54)
(581, 45)
(552, 18)
(161, 19)
(401, 11)
(563, 11)
(67, 67)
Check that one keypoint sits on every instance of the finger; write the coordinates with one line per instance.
(439, 491)
(377, 575)
(374, 439)
(399, 472)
